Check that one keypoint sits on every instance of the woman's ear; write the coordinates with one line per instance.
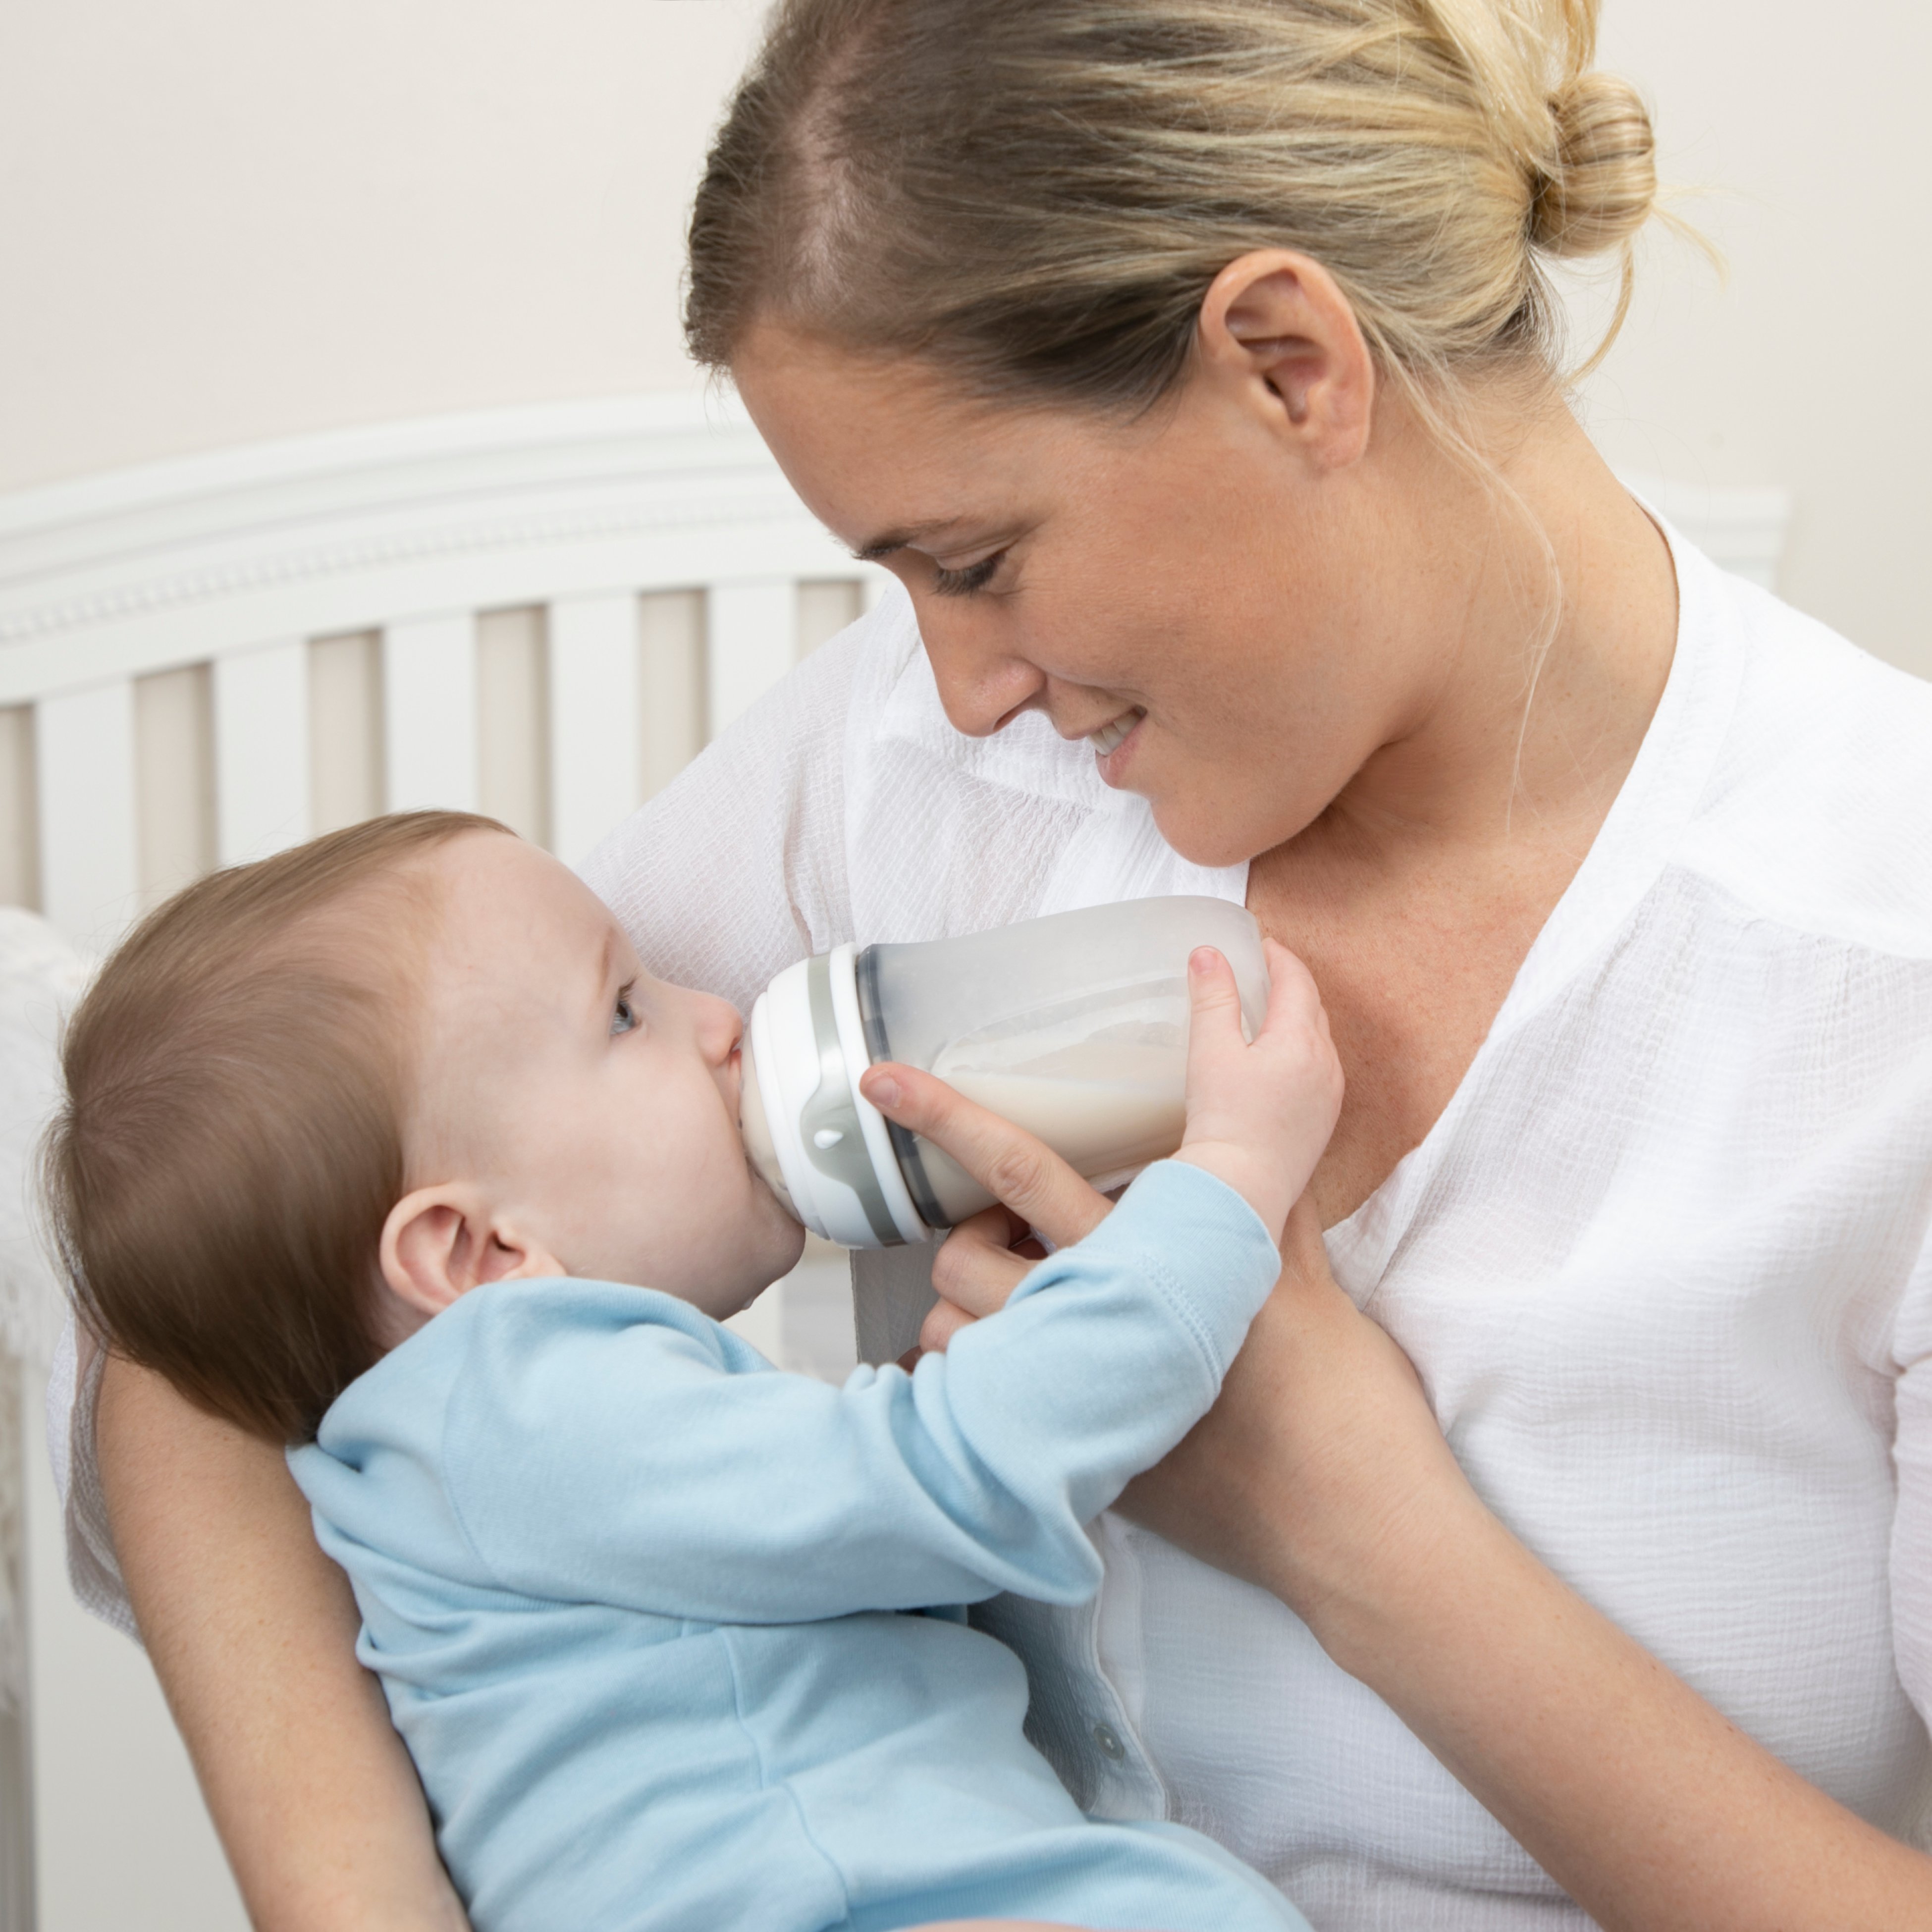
(1276, 324)
(441, 1242)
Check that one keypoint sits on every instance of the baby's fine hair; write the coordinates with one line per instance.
(231, 1140)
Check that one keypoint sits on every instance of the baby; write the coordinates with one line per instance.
(373, 1147)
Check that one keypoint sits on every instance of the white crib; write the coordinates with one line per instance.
(538, 613)
(544, 612)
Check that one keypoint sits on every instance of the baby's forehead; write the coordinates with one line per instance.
(507, 914)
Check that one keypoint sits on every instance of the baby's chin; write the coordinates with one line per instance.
(788, 1237)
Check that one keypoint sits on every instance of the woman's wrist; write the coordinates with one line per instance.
(1389, 1583)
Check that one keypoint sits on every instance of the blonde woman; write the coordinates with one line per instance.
(1191, 364)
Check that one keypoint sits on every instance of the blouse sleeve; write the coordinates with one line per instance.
(1911, 1462)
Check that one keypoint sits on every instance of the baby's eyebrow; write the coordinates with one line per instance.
(606, 962)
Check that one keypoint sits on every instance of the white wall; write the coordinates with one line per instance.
(1808, 366)
(221, 220)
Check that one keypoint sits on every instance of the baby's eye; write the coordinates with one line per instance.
(624, 1016)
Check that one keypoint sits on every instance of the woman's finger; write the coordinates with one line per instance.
(1008, 1162)
(976, 1268)
(943, 1321)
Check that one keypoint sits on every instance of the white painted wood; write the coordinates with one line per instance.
(261, 750)
(429, 713)
(84, 761)
(122, 1840)
(177, 562)
(751, 642)
(671, 701)
(824, 610)
(595, 747)
(513, 760)
(174, 779)
(20, 837)
(345, 729)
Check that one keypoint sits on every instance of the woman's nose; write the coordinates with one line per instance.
(981, 684)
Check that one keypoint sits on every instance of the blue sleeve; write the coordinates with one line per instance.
(622, 1462)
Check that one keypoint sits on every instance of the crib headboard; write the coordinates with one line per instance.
(539, 613)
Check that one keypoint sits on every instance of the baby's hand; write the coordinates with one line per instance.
(1258, 1116)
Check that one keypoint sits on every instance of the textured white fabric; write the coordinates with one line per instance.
(1662, 1263)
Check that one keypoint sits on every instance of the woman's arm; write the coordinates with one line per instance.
(1321, 1475)
(252, 1632)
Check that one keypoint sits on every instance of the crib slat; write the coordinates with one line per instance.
(90, 865)
(752, 641)
(594, 744)
(429, 713)
(261, 750)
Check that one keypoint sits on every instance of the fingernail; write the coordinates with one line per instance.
(1200, 961)
(883, 1090)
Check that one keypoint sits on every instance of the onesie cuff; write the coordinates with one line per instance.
(1207, 1249)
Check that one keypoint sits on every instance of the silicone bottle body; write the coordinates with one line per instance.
(1074, 1026)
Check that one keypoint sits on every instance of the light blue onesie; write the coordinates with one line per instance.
(635, 1595)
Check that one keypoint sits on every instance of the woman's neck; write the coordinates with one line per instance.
(1537, 671)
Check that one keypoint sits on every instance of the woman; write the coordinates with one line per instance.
(1191, 364)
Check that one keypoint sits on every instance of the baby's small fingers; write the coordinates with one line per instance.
(1214, 1018)
(1213, 995)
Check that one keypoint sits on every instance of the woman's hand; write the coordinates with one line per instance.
(1321, 1475)
(1259, 1113)
(252, 1632)
(983, 1260)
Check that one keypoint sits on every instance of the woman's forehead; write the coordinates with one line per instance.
(886, 450)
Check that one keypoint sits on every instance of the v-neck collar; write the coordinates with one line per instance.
(1657, 800)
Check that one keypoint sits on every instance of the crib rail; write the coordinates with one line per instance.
(540, 613)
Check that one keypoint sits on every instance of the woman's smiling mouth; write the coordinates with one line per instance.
(1112, 735)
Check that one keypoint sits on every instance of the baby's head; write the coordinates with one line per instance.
(312, 1101)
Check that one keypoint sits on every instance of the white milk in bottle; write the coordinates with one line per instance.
(1074, 1026)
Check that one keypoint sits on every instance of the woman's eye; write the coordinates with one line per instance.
(624, 1016)
(963, 582)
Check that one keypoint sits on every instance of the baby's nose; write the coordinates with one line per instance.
(719, 1029)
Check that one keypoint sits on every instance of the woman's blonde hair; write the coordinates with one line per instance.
(1042, 191)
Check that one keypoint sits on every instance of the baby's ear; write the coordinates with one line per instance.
(440, 1243)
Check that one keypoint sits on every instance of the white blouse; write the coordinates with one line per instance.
(1663, 1263)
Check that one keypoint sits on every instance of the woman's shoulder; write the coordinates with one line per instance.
(1818, 811)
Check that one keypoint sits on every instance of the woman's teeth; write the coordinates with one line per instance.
(1110, 737)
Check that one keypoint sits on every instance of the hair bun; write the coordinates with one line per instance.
(1600, 185)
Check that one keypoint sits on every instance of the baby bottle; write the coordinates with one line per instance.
(1074, 1026)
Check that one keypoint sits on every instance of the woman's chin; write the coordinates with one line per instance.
(1199, 830)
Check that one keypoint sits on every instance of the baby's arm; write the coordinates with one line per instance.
(613, 1459)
